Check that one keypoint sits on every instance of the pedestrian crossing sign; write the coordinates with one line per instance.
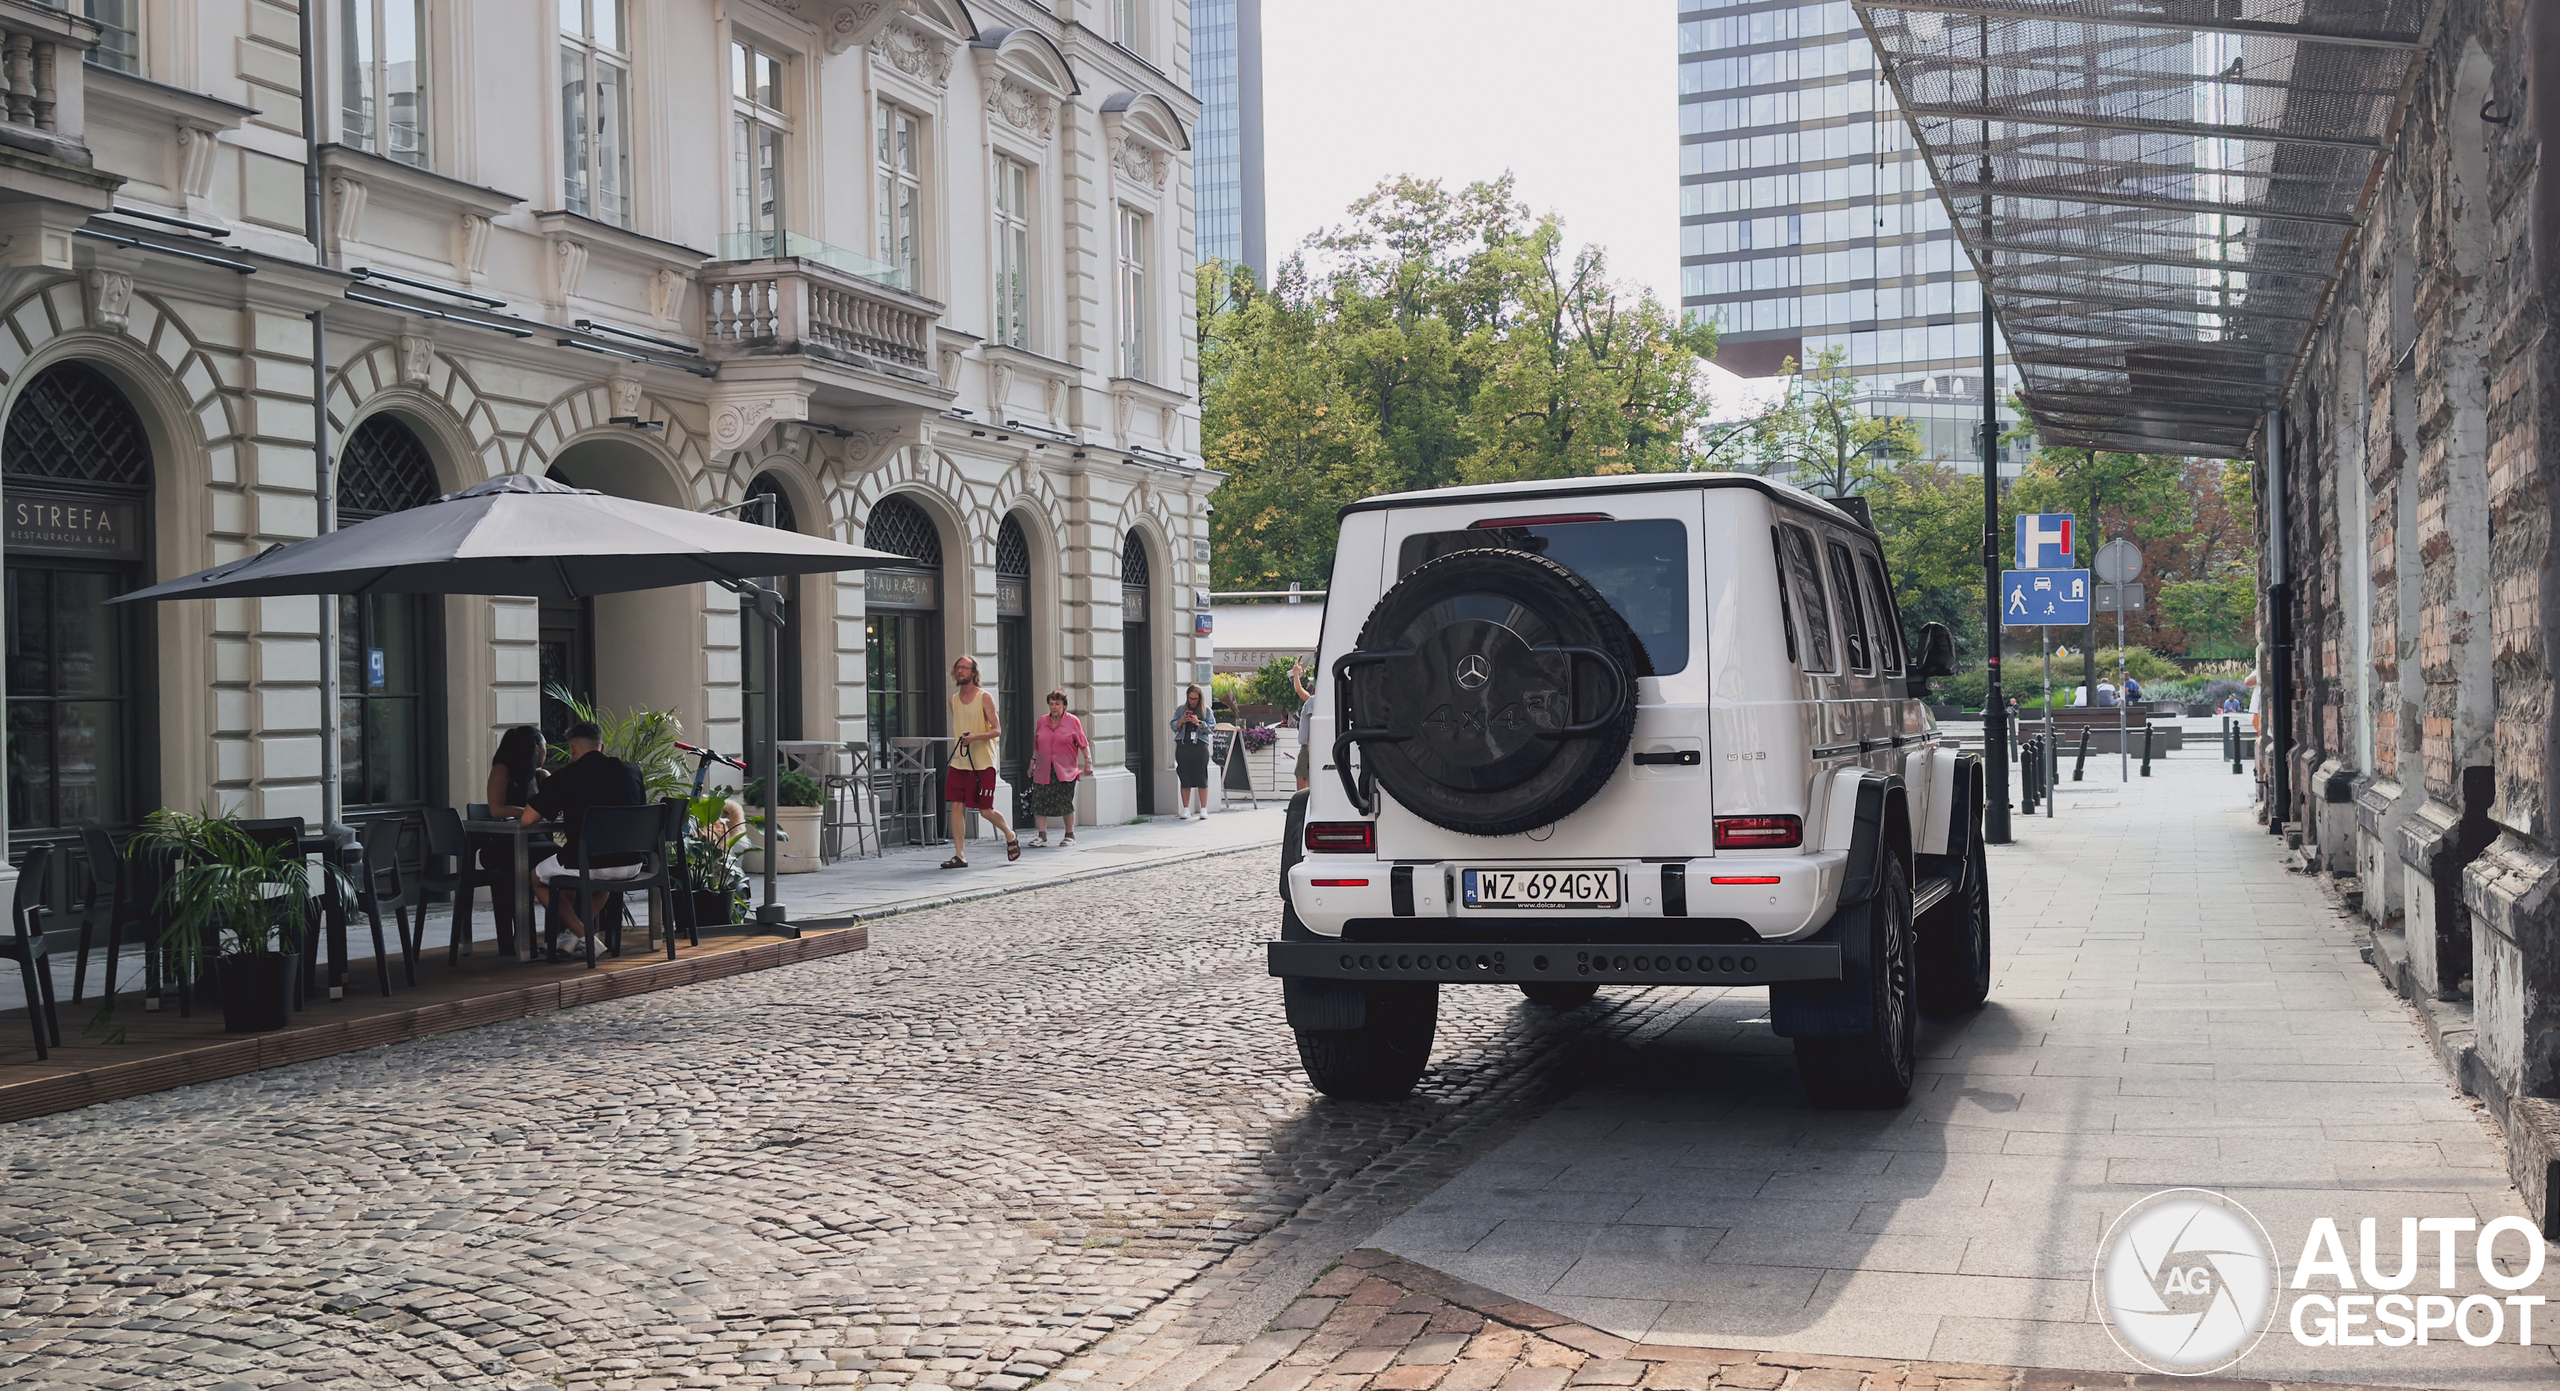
(2044, 598)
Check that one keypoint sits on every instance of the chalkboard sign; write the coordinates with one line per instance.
(1229, 751)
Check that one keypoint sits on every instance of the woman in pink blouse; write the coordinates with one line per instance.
(1060, 754)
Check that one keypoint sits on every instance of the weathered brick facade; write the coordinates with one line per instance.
(2418, 516)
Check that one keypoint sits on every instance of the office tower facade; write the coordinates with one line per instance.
(1808, 222)
(1226, 75)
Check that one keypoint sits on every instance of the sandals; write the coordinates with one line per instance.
(1012, 848)
(955, 862)
(1070, 840)
(1042, 842)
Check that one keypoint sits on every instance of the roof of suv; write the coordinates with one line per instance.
(1604, 487)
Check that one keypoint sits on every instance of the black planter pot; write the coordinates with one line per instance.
(257, 991)
(708, 908)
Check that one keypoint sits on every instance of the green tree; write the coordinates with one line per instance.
(1818, 438)
(2219, 617)
(1930, 520)
(1278, 421)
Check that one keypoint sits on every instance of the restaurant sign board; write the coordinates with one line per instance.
(900, 589)
(94, 528)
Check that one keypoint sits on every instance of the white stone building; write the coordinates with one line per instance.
(920, 269)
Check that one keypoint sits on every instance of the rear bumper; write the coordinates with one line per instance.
(1624, 964)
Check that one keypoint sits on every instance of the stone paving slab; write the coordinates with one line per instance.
(2171, 1007)
(1377, 1322)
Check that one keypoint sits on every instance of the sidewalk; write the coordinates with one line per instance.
(902, 880)
(2171, 1008)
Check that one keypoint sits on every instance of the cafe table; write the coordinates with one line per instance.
(527, 937)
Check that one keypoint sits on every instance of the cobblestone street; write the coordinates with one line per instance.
(1001, 1135)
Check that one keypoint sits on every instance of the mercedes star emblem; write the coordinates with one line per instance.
(1474, 671)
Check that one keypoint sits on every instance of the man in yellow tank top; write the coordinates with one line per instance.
(970, 782)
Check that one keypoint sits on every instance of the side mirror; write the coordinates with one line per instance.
(1936, 657)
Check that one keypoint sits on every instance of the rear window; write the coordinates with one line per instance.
(1888, 622)
(1852, 622)
(1641, 566)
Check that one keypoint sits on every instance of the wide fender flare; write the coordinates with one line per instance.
(1877, 824)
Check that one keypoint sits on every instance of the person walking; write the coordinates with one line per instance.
(969, 783)
(1060, 754)
(1191, 754)
(1298, 683)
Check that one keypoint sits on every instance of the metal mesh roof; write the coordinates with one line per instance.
(2157, 194)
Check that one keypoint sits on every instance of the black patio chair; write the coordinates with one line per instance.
(678, 897)
(637, 831)
(120, 894)
(446, 842)
(26, 946)
(379, 886)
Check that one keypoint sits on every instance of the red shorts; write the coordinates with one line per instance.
(970, 788)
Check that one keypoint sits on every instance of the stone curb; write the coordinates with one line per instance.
(918, 905)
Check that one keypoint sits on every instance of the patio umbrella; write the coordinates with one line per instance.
(518, 535)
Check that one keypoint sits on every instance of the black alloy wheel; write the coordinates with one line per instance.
(1874, 1070)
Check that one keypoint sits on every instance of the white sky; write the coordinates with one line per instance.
(1580, 102)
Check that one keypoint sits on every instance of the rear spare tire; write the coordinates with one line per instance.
(1492, 692)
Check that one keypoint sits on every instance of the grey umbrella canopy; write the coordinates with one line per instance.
(522, 536)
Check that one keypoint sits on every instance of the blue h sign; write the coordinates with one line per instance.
(2044, 598)
(2045, 540)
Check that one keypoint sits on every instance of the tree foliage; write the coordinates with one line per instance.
(1817, 438)
(1437, 337)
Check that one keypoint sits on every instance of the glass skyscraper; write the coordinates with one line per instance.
(1226, 75)
(1808, 223)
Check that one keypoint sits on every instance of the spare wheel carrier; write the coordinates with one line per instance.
(1492, 692)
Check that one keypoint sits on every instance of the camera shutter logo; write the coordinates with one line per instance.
(2186, 1282)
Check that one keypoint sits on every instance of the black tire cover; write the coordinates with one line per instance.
(1473, 682)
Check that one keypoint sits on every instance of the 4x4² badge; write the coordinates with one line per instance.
(1474, 671)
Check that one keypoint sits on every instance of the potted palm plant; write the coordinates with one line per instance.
(712, 864)
(803, 801)
(238, 907)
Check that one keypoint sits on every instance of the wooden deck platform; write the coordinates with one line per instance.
(161, 1050)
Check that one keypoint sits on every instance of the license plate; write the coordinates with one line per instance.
(1542, 888)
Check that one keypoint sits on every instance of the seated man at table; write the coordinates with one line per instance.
(593, 778)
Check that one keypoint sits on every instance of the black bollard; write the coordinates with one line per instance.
(2080, 765)
(2027, 778)
(2234, 726)
(2146, 750)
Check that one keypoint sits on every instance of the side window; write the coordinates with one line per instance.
(1786, 610)
(1853, 622)
(1807, 569)
(1888, 622)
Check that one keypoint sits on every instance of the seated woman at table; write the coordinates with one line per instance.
(515, 774)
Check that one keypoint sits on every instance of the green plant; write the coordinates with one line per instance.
(798, 790)
(229, 895)
(712, 854)
(2139, 662)
(645, 739)
(1270, 686)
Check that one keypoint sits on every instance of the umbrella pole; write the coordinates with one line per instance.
(768, 605)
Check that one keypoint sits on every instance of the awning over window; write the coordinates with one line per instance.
(2159, 195)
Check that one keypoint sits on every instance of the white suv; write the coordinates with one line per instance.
(1649, 730)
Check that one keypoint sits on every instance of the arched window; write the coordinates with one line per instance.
(901, 528)
(81, 718)
(1137, 667)
(902, 626)
(390, 646)
(773, 508)
(1014, 677)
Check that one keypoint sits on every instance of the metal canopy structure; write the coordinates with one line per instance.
(2157, 194)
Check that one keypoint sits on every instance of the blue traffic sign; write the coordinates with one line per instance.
(2046, 540)
(2044, 598)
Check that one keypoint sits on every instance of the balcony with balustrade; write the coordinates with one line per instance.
(44, 159)
(787, 313)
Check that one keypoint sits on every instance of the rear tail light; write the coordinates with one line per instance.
(1339, 883)
(1758, 832)
(1341, 838)
(1742, 879)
